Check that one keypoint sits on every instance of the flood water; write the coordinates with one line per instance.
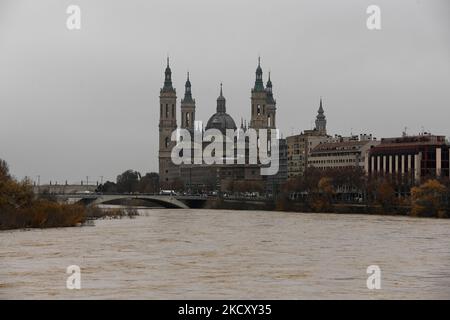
(220, 254)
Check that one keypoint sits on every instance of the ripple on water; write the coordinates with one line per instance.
(223, 254)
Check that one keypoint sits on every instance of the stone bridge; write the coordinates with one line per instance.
(167, 201)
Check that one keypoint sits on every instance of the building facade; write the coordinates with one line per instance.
(274, 182)
(300, 146)
(168, 171)
(410, 158)
(342, 152)
(263, 104)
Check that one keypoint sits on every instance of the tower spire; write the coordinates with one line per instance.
(270, 99)
(221, 101)
(188, 90)
(269, 83)
(321, 121)
(168, 77)
(259, 85)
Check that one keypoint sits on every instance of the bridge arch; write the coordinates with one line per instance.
(165, 201)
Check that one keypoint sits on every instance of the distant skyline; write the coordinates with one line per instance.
(86, 102)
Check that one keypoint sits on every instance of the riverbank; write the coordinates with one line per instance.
(20, 208)
(54, 215)
(304, 207)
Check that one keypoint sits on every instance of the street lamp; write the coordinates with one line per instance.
(39, 183)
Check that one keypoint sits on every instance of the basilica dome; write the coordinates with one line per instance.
(221, 120)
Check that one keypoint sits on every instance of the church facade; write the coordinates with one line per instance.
(218, 177)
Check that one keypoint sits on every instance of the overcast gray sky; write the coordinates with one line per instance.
(85, 103)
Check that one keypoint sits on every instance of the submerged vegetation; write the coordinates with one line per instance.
(20, 208)
(430, 200)
(94, 212)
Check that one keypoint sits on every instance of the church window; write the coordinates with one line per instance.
(167, 110)
(187, 119)
(173, 111)
(258, 110)
(166, 142)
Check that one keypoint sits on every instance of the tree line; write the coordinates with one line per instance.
(322, 190)
(131, 181)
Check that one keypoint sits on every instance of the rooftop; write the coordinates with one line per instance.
(423, 139)
(340, 146)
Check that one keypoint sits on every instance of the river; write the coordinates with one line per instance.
(220, 254)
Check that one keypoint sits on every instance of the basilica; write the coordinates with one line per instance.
(202, 177)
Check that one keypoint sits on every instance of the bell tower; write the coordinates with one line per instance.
(259, 110)
(168, 171)
(321, 120)
(188, 108)
(271, 106)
